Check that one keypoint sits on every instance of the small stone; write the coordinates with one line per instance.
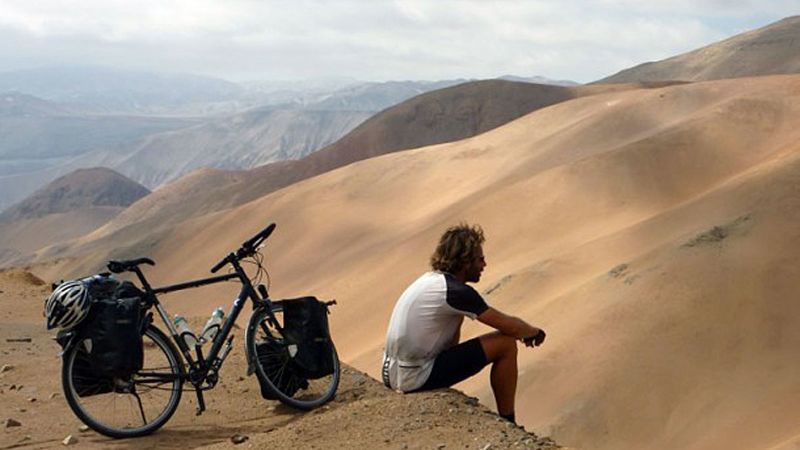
(12, 423)
(83, 428)
(486, 447)
(6, 368)
(12, 387)
(53, 395)
(441, 446)
(240, 378)
(32, 399)
(70, 440)
(238, 438)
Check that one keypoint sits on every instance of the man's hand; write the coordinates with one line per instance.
(536, 339)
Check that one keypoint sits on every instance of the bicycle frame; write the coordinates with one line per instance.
(204, 369)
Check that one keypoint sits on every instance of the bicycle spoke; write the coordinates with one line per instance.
(141, 408)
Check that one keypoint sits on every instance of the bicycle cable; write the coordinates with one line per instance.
(257, 259)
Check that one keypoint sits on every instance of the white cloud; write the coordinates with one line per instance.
(379, 39)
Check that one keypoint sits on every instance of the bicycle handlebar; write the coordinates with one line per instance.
(247, 248)
(256, 240)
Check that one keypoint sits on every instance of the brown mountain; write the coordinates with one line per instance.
(70, 206)
(82, 188)
(773, 49)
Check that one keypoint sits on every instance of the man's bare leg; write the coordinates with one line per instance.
(501, 351)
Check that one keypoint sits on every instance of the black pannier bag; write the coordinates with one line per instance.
(85, 379)
(114, 326)
(110, 338)
(306, 326)
(274, 358)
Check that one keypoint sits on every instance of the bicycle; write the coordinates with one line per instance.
(145, 401)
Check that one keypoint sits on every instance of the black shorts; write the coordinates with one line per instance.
(456, 364)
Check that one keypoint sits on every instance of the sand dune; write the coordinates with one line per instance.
(651, 232)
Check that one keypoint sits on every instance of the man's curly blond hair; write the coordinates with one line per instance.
(457, 247)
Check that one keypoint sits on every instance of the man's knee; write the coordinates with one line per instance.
(496, 346)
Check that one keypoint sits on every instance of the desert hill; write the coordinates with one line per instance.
(451, 113)
(364, 414)
(651, 232)
(80, 189)
(70, 206)
(773, 49)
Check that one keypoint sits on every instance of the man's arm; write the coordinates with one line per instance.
(508, 325)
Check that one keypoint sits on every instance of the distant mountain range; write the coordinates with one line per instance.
(103, 89)
(155, 128)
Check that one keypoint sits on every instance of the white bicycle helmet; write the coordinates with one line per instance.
(67, 306)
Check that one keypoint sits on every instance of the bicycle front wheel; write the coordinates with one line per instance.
(269, 353)
(130, 407)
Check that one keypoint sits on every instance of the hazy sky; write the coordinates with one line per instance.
(581, 40)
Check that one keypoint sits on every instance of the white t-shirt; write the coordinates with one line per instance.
(424, 322)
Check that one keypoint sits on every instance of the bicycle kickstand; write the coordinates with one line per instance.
(201, 403)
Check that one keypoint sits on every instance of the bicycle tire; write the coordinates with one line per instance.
(316, 393)
(117, 407)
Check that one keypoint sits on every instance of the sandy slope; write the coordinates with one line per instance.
(651, 232)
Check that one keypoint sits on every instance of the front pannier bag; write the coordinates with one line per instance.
(306, 325)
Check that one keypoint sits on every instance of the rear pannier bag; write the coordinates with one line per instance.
(114, 327)
(85, 379)
(306, 326)
(109, 339)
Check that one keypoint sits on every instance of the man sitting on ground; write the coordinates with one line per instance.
(422, 349)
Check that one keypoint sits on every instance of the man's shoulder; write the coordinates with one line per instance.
(430, 277)
(464, 297)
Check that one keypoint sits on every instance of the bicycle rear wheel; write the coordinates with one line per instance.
(273, 364)
(123, 408)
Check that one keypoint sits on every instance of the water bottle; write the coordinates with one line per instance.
(212, 326)
(185, 332)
